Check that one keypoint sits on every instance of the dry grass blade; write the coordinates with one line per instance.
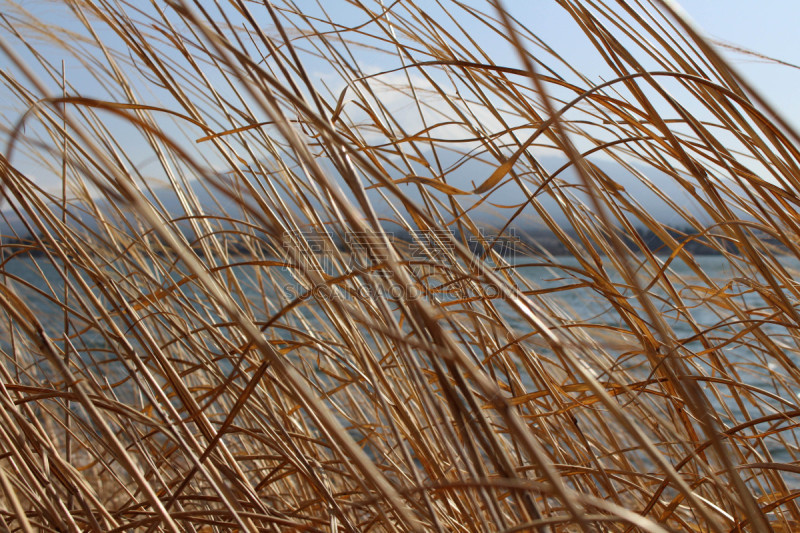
(278, 266)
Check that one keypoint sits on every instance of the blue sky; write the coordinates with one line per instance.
(769, 27)
(766, 27)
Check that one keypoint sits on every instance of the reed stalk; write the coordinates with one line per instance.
(348, 267)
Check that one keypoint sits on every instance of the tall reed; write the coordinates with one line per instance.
(261, 272)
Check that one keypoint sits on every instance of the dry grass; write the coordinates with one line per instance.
(277, 362)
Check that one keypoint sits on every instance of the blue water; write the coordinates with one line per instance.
(745, 358)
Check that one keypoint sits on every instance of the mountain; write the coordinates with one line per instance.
(492, 213)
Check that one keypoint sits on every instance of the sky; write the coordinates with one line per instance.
(768, 27)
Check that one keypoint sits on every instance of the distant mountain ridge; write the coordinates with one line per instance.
(530, 232)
